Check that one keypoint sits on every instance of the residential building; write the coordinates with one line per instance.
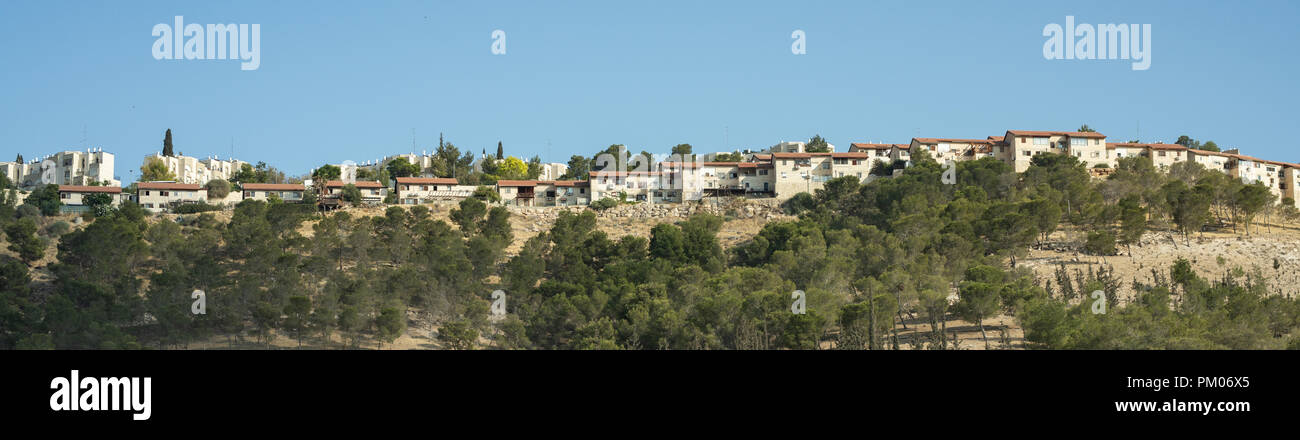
(417, 190)
(1211, 160)
(193, 170)
(544, 192)
(372, 192)
(553, 171)
(287, 192)
(1164, 156)
(162, 196)
(793, 147)
(1120, 150)
(1290, 183)
(944, 149)
(807, 172)
(878, 152)
(76, 168)
(73, 196)
(901, 152)
(1088, 147)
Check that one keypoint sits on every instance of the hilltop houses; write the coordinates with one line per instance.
(780, 171)
(77, 168)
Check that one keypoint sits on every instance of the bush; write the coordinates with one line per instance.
(799, 203)
(192, 208)
(28, 211)
(218, 188)
(1100, 243)
(58, 228)
(487, 194)
(603, 204)
(1101, 165)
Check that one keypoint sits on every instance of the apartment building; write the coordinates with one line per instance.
(636, 185)
(74, 168)
(553, 171)
(878, 152)
(372, 192)
(1164, 156)
(73, 196)
(417, 190)
(807, 172)
(793, 147)
(1211, 160)
(1088, 147)
(944, 149)
(198, 171)
(1291, 181)
(162, 196)
(1248, 169)
(901, 152)
(288, 192)
(544, 192)
(571, 192)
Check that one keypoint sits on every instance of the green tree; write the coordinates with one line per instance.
(683, 150)
(457, 335)
(297, 316)
(23, 240)
(100, 203)
(45, 198)
(513, 169)
(578, 168)
(154, 169)
(167, 144)
(218, 188)
(351, 194)
(817, 145)
(326, 173)
(391, 323)
(401, 167)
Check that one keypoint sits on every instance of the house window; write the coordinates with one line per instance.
(1160, 154)
(1077, 142)
(163, 193)
(1041, 141)
(63, 195)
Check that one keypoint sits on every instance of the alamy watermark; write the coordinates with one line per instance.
(214, 42)
(1100, 42)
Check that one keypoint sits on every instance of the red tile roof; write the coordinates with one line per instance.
(520, 182)
(426, 181)
(359, 184)
(168, 186)
(857, 155)
(1056, 133)
(273, 187)
(863, 146)
(90, 189)
(960, 141)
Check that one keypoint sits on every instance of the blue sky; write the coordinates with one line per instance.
(351, 80)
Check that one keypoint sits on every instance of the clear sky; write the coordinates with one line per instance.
(352, 80)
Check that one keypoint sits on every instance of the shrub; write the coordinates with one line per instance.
(603, 204)
(58, 228)
(487, 194)
(192, 208)
(218, 188)
(28, 211)
(1100, 243)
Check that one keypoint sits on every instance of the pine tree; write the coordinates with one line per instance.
(167, 144)
(20, 158)
(500, 151)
